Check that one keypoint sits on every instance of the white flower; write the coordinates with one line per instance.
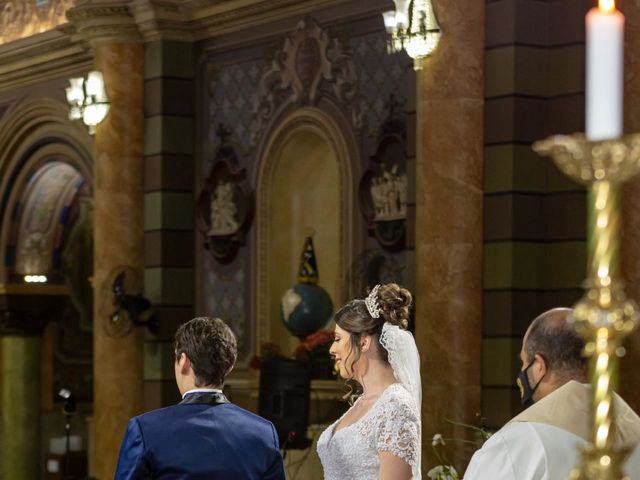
(435, 472)
(437, 440)
(443, 472)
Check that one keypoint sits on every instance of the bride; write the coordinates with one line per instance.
(379, 436)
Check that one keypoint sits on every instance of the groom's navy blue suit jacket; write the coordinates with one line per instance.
(199, 439)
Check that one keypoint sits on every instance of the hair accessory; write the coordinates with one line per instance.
(372, 302)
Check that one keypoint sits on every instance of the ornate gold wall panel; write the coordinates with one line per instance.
(23, 18)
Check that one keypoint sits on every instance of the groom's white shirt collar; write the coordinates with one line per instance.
(201, 390)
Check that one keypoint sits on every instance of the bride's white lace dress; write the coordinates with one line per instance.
(391, 425)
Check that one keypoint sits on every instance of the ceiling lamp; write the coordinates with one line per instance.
(412, 27)
(88, 100)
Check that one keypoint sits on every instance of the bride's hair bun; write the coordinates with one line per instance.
(394, 303)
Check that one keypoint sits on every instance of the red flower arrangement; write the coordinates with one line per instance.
(313, 349)
(267, 350)
(315, 346)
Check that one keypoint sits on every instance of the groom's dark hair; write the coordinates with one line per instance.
(211, 348)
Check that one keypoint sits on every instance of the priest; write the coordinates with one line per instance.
(543, 441)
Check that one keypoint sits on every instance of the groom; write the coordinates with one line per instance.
(204, 436)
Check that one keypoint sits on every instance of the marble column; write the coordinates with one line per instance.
(25, 310)
(118, 221)
(119, 240)
(630, 248)
(449, 163)
(20, 407)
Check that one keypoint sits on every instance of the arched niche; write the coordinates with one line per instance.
(34, 132)
(37, 143)
(41, 216)
(305, 180)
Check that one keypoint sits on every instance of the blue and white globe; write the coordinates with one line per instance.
(305, 308)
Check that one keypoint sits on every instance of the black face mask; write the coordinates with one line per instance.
(526, 392)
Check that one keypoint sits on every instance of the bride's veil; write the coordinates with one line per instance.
(405, 361)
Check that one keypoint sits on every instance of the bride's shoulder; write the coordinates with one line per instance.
(397, 397)
(395, 415)
(397, 392)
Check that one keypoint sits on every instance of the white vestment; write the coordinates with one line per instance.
(542, 442)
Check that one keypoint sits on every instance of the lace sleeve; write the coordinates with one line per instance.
(398, 431)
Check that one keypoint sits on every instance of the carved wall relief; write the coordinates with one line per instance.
(225, 205)
(310, 64)
(383, 187)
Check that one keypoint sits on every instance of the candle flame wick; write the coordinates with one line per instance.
(607, 6)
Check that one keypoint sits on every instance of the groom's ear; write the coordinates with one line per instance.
(185, 363)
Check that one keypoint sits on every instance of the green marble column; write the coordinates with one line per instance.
(19, 408)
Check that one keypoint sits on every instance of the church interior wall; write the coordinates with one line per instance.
(229, 93)
(226, 89)
(169, 197)
(534, 227)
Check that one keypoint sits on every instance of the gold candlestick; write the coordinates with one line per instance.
(604, 316)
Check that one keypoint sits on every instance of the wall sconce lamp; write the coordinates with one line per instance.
(412, 26)
(88, 100)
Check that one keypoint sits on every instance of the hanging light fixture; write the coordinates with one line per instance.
(413, 27)
(88, 100)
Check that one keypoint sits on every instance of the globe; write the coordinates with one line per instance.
(305, 308)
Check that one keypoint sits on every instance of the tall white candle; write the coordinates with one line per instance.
(605, 40)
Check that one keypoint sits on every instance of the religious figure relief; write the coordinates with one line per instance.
(389, 195)
(383, 187)
(223, 210)
(225, 205)
(34, 250)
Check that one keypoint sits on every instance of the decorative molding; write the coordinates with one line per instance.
(308, 61)
(99, 22)
(163, 19)
(193, 20)
(32, 289)
(62, 50)
(213, 20)
(185, 20)
(41, 58)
